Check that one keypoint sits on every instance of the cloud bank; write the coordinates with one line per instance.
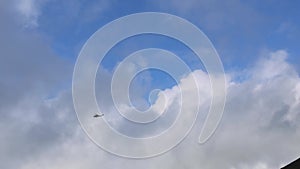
(259, 128)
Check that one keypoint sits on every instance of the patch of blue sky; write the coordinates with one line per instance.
(139, 42)
(159, 79)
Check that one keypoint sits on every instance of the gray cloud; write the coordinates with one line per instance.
(31, 73)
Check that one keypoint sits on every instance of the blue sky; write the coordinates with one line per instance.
(239, 30)
(258, 44)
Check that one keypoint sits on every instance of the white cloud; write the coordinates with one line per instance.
(259, 128)
(269, 68)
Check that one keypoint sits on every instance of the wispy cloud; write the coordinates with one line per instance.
(29, 11)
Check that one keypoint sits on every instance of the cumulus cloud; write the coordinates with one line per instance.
(259, 128)
(256, 129)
